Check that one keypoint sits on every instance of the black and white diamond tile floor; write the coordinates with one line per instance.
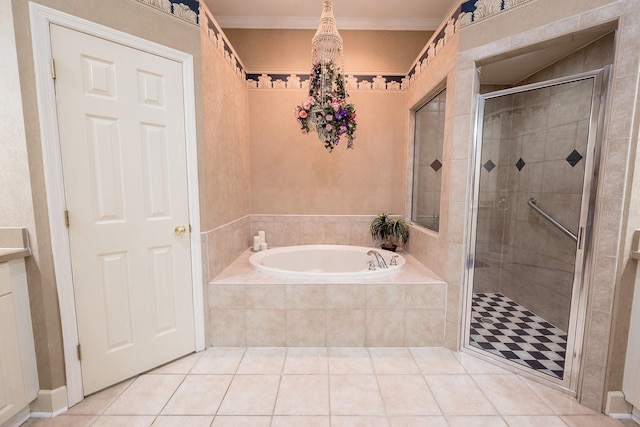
(503, 327)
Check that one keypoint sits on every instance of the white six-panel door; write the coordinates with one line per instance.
(122, 138)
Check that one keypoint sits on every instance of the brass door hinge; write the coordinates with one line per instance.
(66, 218)
(53, 68)
(79, 352)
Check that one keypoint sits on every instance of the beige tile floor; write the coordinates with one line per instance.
(322, 387)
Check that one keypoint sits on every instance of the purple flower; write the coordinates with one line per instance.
(332, 115)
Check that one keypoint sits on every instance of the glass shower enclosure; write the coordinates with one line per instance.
(532, 203)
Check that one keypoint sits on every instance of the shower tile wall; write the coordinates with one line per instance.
(535, 147)
(539, 22)
(491, 213)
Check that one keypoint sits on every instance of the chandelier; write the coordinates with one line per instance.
(326, 110)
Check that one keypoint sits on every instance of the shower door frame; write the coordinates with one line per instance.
(583, 259)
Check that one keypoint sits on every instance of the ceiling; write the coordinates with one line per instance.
(516, 66)
(350, 14)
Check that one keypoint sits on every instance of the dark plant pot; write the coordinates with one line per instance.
(389, 247)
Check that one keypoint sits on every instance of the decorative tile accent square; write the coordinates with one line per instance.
(574, 158)
(436, 165)
(503, 327)
(520, 164)
(489, 166)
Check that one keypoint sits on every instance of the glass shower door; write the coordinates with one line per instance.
(530, 224)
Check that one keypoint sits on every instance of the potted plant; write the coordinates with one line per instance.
(389, 231)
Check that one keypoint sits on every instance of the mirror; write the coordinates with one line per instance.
(428, 162)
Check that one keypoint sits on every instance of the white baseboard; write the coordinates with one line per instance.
(620, 416)
(50, 403)
(18, 418)
(617, 407)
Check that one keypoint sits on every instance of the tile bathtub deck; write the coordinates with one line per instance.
(319, 386)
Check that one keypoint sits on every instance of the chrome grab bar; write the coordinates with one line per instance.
(556, 224)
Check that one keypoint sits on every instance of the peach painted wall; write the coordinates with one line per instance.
(293, 173)
(287, 51)
(226, 189)
(226, 144)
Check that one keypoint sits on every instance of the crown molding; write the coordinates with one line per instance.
(311, 23)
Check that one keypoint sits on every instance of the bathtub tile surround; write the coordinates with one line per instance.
(223, 245)
(292, 230)
(251, 308)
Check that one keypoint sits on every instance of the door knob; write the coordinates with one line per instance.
(180, 230)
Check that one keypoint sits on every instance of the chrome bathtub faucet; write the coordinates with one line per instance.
(379, 258)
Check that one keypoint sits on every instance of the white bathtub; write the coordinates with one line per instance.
(318, 262)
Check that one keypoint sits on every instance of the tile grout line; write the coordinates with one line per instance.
(176, 389)
(233, 376)
(284, 362)
(375, 375)
(487, 397)
(423, 375)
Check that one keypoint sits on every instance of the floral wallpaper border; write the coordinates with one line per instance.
(469, 12)
(368, 82)
(187, 10)
(476, 10)
(443, 34)
(301, 81)
(440, 38)
(214, 32)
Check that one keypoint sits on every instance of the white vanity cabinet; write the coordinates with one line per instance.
(18, 372)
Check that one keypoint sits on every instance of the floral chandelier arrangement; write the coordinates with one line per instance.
(327, 111)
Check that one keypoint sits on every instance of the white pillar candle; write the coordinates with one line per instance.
(256, 243)
(263, 246)
(262, 237)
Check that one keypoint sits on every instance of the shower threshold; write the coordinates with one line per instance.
(503, 327)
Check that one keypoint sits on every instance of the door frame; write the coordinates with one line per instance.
(41, 17)
(584, 254)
